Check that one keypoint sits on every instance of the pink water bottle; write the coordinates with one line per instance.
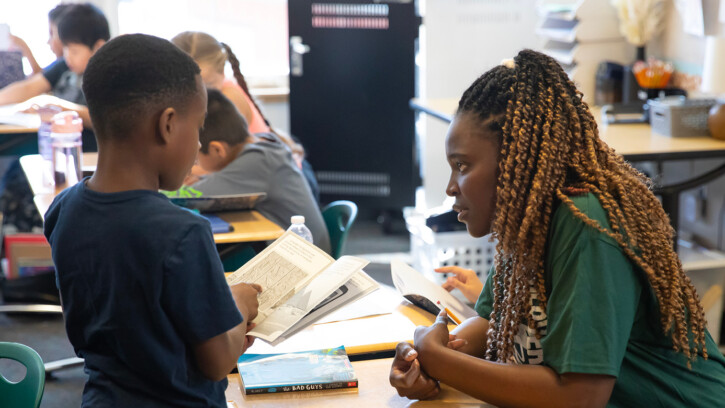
(66, 144)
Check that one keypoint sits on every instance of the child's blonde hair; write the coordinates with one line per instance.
(205, 49)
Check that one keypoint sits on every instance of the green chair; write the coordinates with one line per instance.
(28, 392)
(339, 216)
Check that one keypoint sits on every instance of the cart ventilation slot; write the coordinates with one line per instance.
(354, 183)
(368, 23)
(356, 16)
(361, 10)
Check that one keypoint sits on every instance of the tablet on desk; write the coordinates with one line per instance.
(232, 202)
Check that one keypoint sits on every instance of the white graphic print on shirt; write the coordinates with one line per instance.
(527, 348)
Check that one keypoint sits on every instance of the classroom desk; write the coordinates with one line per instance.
(248, 226)
(17, 139)
(16, 128)
(374, 390)
(635, 142)
(6, 129)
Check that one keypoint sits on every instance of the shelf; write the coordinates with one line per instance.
(589, 30)
(573, 10)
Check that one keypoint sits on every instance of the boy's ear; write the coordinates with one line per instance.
(218, 149)
(166, 125)
(98, 45)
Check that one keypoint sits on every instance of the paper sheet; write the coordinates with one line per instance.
(693, 19)
(295, 308)
(282, 269)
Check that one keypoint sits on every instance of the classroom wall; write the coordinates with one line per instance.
(687, 51)
(276, 110)
(460, 40)
(702, 211)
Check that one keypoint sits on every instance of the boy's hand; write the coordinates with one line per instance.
(407, 377)
(249, 340)
(245, 296)
(464, 280)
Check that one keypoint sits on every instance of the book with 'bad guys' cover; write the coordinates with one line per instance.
(300, 371)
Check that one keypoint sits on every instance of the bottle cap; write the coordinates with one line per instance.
(47, 112)
(66, 122)
(298, 219)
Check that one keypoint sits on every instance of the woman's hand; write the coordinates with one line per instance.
(464, 280)
(407, 377)
(436, 335)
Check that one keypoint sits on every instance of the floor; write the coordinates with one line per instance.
(46, 333)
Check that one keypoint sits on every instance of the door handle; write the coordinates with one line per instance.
(297, 50)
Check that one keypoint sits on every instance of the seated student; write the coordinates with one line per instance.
(244, 163)
(48, 79)
(587, 303)
(82, 29)
(212, 56)
(144, 296)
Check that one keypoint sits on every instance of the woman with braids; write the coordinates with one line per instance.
(587, 303)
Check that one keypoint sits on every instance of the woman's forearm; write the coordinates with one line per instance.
(510, 385)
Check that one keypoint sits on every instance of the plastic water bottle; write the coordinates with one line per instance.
(66, 143)
(46, 114)
(298, 227)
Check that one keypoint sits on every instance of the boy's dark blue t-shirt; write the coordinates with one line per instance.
(141, 283)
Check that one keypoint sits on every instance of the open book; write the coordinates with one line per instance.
(300, 284)
(427, 295)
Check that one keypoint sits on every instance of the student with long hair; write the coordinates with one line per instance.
(211, 56)
(587, 303)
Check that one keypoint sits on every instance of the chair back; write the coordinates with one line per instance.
(339, 216)
(28, 392)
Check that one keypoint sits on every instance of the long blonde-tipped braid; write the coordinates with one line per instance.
(564, 149)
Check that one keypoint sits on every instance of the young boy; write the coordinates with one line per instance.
(244, 163)
(39, 82)
(142, 287)
(81, 29)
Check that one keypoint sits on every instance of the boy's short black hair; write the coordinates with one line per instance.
(223, 122)
(135, 75)
(57, 12)
(83, 24)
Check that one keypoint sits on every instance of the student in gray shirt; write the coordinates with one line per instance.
(239, 163)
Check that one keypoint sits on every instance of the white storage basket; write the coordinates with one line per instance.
(431, 250)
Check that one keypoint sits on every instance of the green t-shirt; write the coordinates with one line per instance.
(602, 318)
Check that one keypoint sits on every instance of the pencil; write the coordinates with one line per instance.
(452, 316)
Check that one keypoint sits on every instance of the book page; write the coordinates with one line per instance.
(282, 269)
(408, 281)
(284, 316)
(359, 285)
